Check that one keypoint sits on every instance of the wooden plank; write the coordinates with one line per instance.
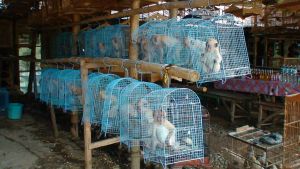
(105, 142)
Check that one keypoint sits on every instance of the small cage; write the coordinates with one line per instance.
(73, 91)
(45, 84)
(61, 44)
(247, 149)
(94, 97)
(133, 127)
(54, 87)
(292, 132)
(177, 132)
(111, 106)
(216, 47)
(110, 41)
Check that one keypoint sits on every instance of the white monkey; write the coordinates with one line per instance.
(211, 60)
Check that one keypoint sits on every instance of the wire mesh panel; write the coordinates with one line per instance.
(44, 84)
(110, 41)
(54, 87)
(95, 96)
(133, 128)
(111, 106)
(73, 91)
(61, 87)
(216, 47)
(177, 133)
(61, 44)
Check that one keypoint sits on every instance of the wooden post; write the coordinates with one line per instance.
(53, 120)
(74, 124)
(87, 124)
(133, 50)
(75, 30)
(32, 64)
(133, 55)
(173, 11)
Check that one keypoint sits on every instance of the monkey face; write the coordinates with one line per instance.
(211, 45)
(101, 46)
(155, 39)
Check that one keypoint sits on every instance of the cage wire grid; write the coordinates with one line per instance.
(73, 91)
(109, 41)
(95, 97)
(134, 122)
(177, 132)
(44, 83)
(215, 47)
(61, 85)
(111, 106)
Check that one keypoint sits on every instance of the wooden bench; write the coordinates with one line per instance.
(276, 108)
(231, 101)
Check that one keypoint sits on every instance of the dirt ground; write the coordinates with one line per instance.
(29, 143)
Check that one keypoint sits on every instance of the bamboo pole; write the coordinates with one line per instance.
(133, 55)
(173, 11)
(188, 74)
(164, 6)
(87, 124)
(134, 24)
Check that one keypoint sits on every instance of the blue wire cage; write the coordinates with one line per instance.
(55, 87)
(177, 132)
(94, 97)
(61, 44)
(110, 41)
(61, 87)
(216, 48)
(73, 91)
(133, 127)
(44, 84)
(111, 106)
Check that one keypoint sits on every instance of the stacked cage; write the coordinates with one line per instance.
(177, 132)
(95, 97)
(110, 41)
(61, 44)
(134, 123)
(216, 47)
(111, 106)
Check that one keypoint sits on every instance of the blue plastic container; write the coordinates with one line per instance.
(4, 100)
(15, 111)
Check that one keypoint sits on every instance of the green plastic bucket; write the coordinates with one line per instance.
(15, 111)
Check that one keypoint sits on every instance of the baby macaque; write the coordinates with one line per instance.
(117, 47)
(164, 42)
(147, 112)
(75, 90)
(211, 60)
(163, 132)
(144, 47)
(102, 49)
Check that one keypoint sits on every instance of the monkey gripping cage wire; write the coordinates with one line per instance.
(215, 47)
(111, 106)
(95, 97)
(110, 41)
(177, 132)
(45, 84)
(61, 44)
(134, 126)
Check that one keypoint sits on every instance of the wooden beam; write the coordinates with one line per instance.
(164, 6)
(187, 74)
